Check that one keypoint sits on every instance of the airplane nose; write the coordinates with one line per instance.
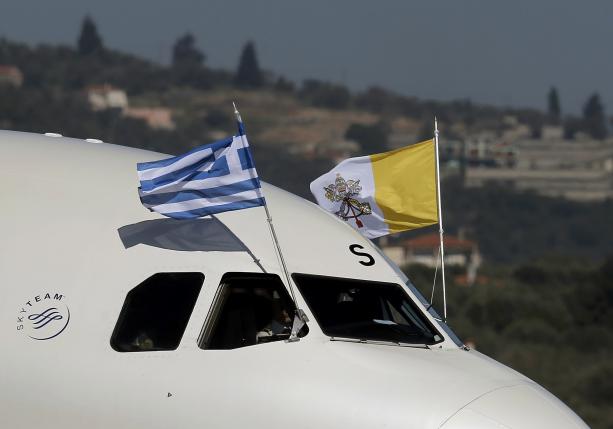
(523, 406)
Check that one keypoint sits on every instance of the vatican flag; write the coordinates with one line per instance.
(383, 193)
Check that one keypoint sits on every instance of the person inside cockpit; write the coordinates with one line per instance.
(275, 315)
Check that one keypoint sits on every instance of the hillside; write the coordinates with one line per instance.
(297, 132)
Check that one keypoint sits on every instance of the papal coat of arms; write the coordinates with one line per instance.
(345, 191)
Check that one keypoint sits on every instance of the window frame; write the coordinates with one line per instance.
(216, 307)
(128, 300)
(412, 304)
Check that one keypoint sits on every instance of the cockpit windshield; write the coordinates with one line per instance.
(365, 310)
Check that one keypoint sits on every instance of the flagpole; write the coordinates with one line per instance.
(300, 317)
(440, 219)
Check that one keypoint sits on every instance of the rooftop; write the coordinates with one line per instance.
(431, 241)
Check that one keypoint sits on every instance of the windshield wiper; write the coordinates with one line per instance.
(381, 342)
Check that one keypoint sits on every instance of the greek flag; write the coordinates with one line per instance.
(210, 179)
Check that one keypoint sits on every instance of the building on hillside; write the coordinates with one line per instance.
(451, 152)
(10, 75)
(577, 170)
(103, 97)
(482, 150)
(552, 132)
(155, 117)
(424, 250)
(516, 132)
(487, 150)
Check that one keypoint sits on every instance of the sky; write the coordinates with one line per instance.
(494, 52)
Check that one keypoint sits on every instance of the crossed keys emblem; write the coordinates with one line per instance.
(344, 191)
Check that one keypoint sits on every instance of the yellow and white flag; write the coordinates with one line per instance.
(383, 193)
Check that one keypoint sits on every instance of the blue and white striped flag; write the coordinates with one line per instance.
(210, 179)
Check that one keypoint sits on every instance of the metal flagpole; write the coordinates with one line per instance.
(440, 219)
(300, 318)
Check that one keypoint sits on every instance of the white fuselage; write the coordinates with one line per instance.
(64, 202)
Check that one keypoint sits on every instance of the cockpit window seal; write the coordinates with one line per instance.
(155, 313)
(423, 318)
(244, 282)
(433, 313)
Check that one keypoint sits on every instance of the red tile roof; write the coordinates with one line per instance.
(431, 241)
(7, 70)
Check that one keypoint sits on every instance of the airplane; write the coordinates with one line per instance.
(116, 317)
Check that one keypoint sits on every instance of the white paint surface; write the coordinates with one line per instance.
(62, 203)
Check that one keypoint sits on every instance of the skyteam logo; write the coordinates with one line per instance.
(44, 317)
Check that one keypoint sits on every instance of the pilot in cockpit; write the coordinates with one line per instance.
(277, 320)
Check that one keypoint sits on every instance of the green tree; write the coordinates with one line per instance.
(594, 117)
(324, 94)
(185, 52)
(188, 63)
(248, 74)
(371, 138)
(89, 41)
(284, 85)
(553, 105)
(375, 99)
(571, 126)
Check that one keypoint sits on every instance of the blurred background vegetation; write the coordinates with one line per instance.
(550, 319)
(543, 302)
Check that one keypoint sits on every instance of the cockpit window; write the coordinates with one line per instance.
(365, 310)
(155, 313)
(249, 309)
(443, 325)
